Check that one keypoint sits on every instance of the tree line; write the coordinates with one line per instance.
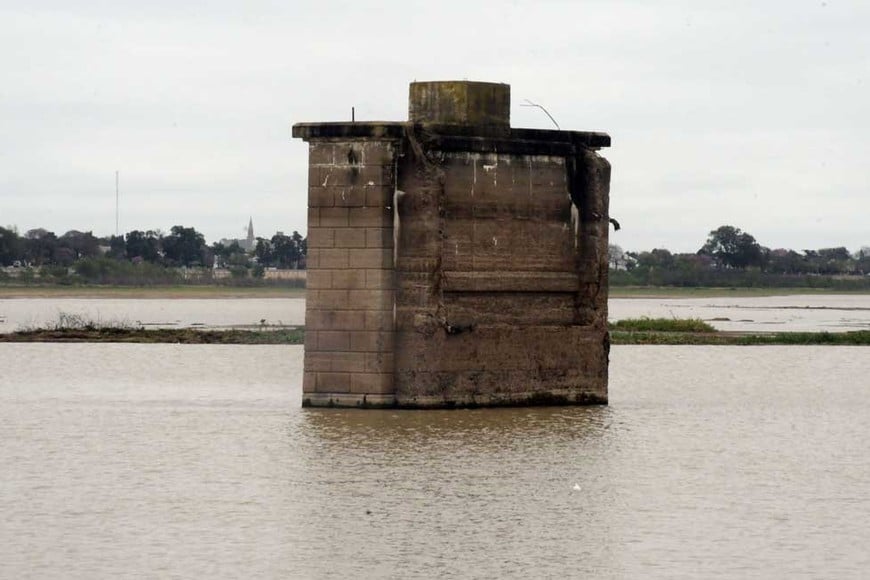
(732, 257)
(149, 253)
(728, 257)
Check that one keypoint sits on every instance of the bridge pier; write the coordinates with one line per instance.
(454, 261)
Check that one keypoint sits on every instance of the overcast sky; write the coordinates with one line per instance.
(748, 113)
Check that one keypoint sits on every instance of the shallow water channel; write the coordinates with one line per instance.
(123, 460)
(834, 313)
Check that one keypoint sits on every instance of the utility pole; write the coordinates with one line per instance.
(116, 203)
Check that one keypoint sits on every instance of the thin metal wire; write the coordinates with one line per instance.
(529, 103)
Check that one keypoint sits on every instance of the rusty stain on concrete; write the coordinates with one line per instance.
(455, 261)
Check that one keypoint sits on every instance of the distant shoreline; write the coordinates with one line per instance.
(296, 336)
(714, 292)
(260, 292)
(151, 292)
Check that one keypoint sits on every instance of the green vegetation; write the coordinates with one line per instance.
(104, 270)
(296, 336)
(159, 335)
(39, 257)
(731, 258)
(858, 338)
(620, 337)
(76, 328)
(661, 325)
(693, 331)
(645, 331)
(729, 263)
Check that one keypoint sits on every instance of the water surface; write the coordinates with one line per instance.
(828, 312)
(796, 313)
(22, 313)
(196, 461)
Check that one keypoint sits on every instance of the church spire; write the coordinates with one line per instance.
(250, 240)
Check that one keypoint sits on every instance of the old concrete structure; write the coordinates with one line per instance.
(454, 261)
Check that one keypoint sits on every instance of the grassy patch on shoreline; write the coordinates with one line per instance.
(636, 332)
(76, 328)
(661, 325)
(158, 335)
(857, 338)
(693, 331)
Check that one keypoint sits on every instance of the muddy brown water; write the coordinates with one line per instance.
(126, 460)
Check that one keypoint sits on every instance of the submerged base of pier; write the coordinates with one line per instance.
(530, 399)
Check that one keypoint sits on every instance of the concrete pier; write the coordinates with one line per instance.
(454, 261)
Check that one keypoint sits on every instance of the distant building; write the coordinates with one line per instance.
(248, 244)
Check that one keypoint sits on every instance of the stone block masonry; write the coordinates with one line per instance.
(454, 261)
(349, 310)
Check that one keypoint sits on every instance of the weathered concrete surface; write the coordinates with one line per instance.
(456, 264)
(460, 103)
(349, 309)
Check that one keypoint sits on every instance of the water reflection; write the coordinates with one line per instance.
(485, 430)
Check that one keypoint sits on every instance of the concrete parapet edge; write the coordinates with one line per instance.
(457, 137)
